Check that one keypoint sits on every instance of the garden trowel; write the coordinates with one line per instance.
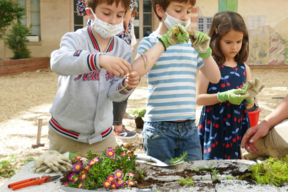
(142, 158)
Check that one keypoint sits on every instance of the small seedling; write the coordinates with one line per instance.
(179, 159)
(215, 174)
(229, 177)
(188, 181)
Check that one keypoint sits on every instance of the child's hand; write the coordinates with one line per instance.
(115, 65)
(234, 96)
(252, 88)
(131, 80)
(200, 42)
(176, 35)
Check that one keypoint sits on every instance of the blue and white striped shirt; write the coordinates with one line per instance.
(171, 82)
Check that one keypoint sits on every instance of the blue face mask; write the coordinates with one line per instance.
(170, 21)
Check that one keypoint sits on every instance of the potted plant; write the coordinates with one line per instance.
(138, 115)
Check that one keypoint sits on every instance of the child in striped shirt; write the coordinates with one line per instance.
(171, 68)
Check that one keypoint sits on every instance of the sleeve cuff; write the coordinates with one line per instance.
(93, 62)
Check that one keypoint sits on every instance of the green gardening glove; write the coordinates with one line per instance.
(200, 42)
(234, 96)
(176, 35)
(252, 88)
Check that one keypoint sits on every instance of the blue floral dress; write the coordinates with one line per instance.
(222, 126)
(126, 36)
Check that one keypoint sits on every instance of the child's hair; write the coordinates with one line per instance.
(222, 23)
(93, 3)
(134, 13)
(165, 3)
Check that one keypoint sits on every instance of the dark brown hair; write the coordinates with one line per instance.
(165, 3)
(93, 3)
(134, 13)
(222, 23)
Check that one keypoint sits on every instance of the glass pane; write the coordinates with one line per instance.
(136, 31)
(136, 22)
(77, 27)
(22, 3)
(35, 30)
(147, 7)
(35, 5)
(147, 31)
(147, 19)
(78, 19)
(74, 5)
(35, 18)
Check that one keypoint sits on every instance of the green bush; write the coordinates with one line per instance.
(16, 41)
(9, 11)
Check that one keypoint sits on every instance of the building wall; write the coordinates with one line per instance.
(56, 19)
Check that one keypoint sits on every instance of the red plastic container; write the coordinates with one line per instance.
(254, 117)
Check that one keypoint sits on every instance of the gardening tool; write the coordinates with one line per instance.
(32, 181)
(38, 144)
(142, 158)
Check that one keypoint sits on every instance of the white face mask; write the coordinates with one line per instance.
(170, 21)
(104, 29)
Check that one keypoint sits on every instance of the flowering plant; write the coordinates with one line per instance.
(116, 167)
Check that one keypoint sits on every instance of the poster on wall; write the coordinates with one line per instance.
(277, 48)
(259, 46)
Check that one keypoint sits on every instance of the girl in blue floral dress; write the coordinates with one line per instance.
(224, 120)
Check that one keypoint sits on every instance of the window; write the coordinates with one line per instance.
(78, 20)
(228, 5)
(204, 24)
(32, 16)
(143, 22)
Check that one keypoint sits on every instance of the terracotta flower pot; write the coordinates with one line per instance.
(139, 122)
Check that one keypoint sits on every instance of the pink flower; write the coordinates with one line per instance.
(82, 172)
(118, 174)
(80, 185)
(77, 157)
(107, 184)
(114, 186)
(83, 176)
(110, 153)
(130, 183)
(66, 183)
(93, 161)
(70, 178)
(77, 167)
(110, 178)
(120, 183)
(75, 179)
(87, 168)
(123, 154)
(130, 174)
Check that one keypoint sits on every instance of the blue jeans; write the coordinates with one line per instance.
(167, 140)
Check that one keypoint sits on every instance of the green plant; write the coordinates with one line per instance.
(179, 159)
(229, 177)
(9, 11)
(8, 167)
(188, 181)
(214, 174)
(271, 171)
(138, 112)
(16, 41)
(114, 168)
(25, 162)
(202, 168)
